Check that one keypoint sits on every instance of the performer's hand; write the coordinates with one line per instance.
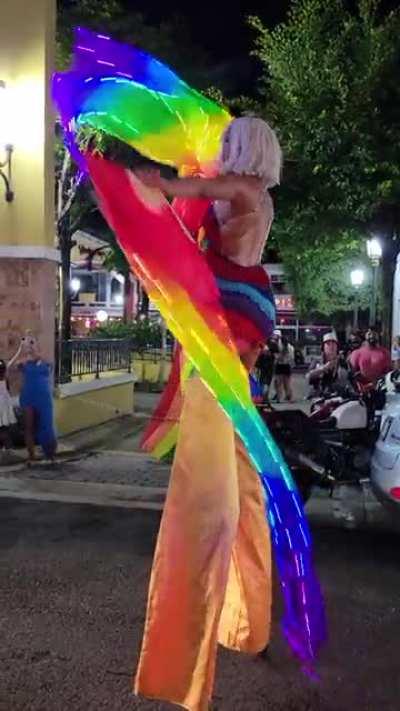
(150, 177)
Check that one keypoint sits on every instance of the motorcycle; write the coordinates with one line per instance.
(349, 423)
(305, 453)
(349, 444)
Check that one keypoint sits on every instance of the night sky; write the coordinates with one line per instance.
(223, 35)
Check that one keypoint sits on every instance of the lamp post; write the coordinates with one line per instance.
(374, 251)
(357, 279)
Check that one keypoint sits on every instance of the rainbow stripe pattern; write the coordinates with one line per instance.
(178, 279)
(134, 97)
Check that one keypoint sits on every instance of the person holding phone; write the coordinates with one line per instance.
(36, 398)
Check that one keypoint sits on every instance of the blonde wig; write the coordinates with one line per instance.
(250, 147)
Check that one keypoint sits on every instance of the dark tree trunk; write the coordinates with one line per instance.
(66, 292)
(144, 304)
(388, 269)
(128, 299)
(65, 246)
(385, 226)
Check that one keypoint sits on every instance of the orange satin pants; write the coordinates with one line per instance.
(211, 577)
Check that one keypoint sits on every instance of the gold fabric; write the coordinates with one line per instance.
(211, 577)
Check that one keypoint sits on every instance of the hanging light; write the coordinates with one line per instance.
(5, 140)
(102, 316)
(374, 250)
(357, 277)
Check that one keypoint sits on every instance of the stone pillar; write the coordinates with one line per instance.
(28, 258)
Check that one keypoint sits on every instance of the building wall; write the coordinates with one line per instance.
(28, 260)
(79, 406)
(26, 303)
(27, 32)
(148, 371)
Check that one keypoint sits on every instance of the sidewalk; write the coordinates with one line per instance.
(100, 466)
(102, 478)
(104, 467)
(135, 481)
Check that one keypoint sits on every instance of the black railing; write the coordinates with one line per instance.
(91, 356)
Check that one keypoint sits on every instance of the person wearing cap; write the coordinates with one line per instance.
(331, 370)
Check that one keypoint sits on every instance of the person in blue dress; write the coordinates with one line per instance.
(256, 390)
(36, 398)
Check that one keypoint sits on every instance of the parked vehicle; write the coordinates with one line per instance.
(349, 423)
(350, 442)
(385, 462)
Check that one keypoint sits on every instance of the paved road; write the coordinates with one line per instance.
(72, 597)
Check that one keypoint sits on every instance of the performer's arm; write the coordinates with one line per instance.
(223, 187)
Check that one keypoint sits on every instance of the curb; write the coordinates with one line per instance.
(127, 496)
(72, 492)
(320, 510)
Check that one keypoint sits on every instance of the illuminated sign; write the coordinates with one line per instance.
(284, 302)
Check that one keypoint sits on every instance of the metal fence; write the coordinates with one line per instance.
(80, 357)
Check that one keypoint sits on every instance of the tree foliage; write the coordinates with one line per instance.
(330, 85)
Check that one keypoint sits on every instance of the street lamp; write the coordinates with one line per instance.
(102, 316)
(5, 140)
(119, 299)
(374, 251)
(75, 284)
(357, 279)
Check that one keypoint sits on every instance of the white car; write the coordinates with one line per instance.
(385, 463)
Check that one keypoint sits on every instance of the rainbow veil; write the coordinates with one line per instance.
(135, 98)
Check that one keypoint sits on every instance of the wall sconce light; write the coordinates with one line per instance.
(5, 125)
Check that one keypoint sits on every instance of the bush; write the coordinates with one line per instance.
(143, 333)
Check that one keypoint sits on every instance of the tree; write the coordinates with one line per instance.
(73, 207)
(330, 84)
(116, 261)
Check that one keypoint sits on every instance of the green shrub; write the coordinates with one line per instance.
(143, 333)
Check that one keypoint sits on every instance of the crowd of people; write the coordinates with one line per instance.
(275, 365)
(362, 356)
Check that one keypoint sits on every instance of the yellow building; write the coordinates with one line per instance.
(28, 258)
